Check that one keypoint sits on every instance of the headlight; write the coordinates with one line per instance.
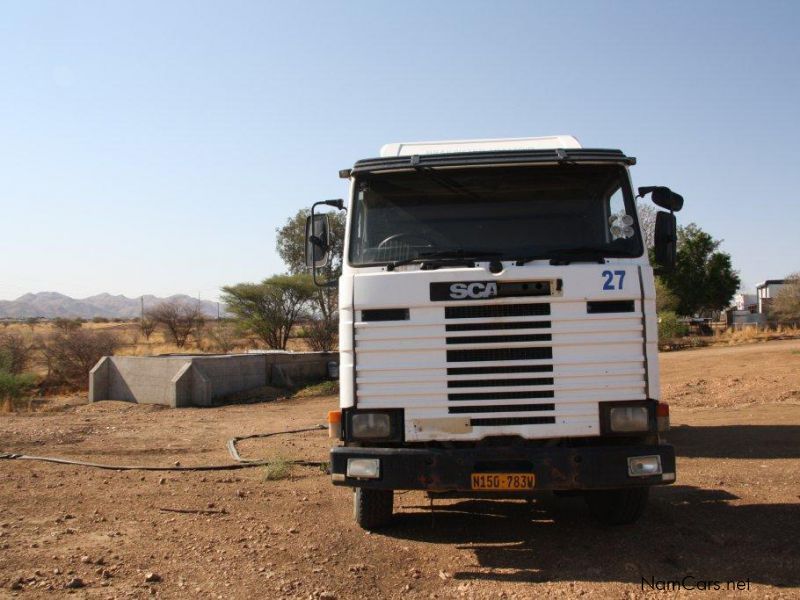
(624, 419)
(644, 466)
(370, 426)
(364, 468)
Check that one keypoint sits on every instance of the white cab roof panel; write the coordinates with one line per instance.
(550, 142)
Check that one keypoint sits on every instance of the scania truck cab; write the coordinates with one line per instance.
(497, 326)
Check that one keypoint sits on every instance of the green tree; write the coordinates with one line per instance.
(703, 280)
(291, 246)
(666, 301)
(291, 242)
(271, 308)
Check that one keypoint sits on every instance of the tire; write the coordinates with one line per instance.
(372, 509)
(617, 507)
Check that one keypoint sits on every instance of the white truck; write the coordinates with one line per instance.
(498, 331)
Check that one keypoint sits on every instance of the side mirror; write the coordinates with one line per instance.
(666, 240)
(663, 197)
(318, 241)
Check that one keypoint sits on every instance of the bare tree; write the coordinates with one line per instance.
(180, 319)
(15, 352)
(647, 220)
(148, 326)
(322, 334)
(71, 355)
(785, 307)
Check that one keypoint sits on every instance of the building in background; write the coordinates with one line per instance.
(746, 302)
(766, 291)
(752, 309)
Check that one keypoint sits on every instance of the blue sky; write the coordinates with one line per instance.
(154, 147)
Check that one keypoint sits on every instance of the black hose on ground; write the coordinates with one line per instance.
(241, 463)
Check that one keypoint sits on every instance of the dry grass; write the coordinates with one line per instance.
(731, 337)
(324, 388)
(277, 468)
(749, 335)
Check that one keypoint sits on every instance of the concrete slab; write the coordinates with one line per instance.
(199, 380)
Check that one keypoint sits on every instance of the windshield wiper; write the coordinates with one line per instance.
(456, 257)
(565, 256)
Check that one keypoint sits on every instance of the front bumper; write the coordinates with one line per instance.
(555, 468)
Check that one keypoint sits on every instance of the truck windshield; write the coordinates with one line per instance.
(513, 213)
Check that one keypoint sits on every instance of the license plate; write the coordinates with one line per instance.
(503, 481)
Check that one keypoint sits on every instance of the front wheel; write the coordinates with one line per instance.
(372, 509)
(617, 507)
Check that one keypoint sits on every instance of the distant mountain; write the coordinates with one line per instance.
(52, 304)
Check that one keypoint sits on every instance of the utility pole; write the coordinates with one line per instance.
(141, 318)
(217, 311)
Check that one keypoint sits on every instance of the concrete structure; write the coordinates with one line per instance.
(201, 380)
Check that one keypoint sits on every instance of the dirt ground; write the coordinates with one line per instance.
(733, 515)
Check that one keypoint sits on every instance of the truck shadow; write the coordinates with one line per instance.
(686, 531)
(736, 441)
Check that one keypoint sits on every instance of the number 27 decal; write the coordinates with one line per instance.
(610, 276)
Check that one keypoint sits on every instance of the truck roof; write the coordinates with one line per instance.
(452, 155)
(550, 142)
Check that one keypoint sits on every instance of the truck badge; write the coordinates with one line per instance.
(476, 289)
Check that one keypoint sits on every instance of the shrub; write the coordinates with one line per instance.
(71, 355)
(277, 468)
(322, 334)
(15, 353)
(224, 337)
(99, 320)
(13, 387)
(670, 326)
(66, 324)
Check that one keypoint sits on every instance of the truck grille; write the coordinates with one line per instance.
(492, 402)
(541, 364)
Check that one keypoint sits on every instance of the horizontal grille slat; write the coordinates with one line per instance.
(496, 310)
(500, 408)
(505, 421)
(497, 339)
(497, 326)
(502, 395)
(499, 354)
(498, 370)
(462, 383)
